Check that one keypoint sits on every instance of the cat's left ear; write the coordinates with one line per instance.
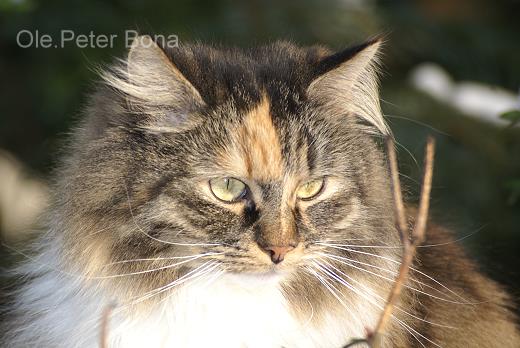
(155, 88)
(346, 84)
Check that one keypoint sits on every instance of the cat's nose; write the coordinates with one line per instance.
(278, 253)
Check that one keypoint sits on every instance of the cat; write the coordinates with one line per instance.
(220, 197)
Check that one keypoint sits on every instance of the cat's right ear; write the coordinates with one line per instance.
(155, 88)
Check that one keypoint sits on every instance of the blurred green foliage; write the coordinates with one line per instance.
(513, 116)
(478, 165)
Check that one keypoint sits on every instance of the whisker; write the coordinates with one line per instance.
(197, 272)
(213, 278)
(418, 333)
(365, 246)
(383, 299)
(205, 267)
(186, 259)
(333, 291)
(407, 327)
(390, 279)
(338, 258)
(162, 258)
(454, 241)
(348, 239)
(350, 287)
(413, 335)
(398, 263)
(202, 274)
(148, 270)
(333, 242)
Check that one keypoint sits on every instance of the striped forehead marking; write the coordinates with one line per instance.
(259, 149)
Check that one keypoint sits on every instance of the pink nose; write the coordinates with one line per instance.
(278, 253)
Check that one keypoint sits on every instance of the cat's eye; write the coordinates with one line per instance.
(310, 189)
(228, 189)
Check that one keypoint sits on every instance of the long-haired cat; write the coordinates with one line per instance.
(218, 197)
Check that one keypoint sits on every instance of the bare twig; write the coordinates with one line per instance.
(410, 243)
(424, 204)
(105, 318)
(400, 214)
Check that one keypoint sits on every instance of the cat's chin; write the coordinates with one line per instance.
(271, 276)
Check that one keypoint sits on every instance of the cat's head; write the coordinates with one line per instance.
(243, 161)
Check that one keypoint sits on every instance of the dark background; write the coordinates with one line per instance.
(477, 176)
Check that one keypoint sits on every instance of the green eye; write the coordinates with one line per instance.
(227, 189)
(310, 189)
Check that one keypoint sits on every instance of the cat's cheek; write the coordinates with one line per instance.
(350, 216)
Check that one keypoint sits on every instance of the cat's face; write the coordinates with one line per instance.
(261, 191)
(245, 166)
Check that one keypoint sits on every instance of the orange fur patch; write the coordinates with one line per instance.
(257, 154)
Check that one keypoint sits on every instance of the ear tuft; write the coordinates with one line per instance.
(347, 84)
(154, 86)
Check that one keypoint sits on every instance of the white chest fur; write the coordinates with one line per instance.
(231, 312)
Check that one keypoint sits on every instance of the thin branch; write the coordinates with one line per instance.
(374, 338)
(400, 214)
(424, 204)
(105, 318)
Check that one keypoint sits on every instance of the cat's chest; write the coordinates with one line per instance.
(228, 314)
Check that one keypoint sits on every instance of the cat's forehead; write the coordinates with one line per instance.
(256, 147)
